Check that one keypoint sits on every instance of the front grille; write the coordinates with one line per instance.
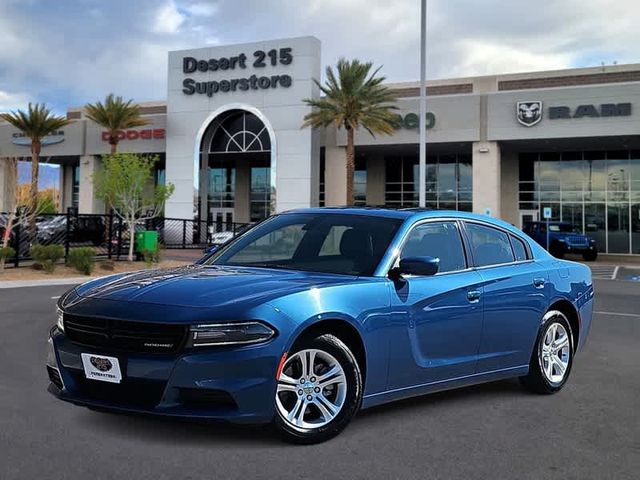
(125, 335)
(134, 393)
(54, 377)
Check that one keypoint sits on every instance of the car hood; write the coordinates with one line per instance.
(205, 286)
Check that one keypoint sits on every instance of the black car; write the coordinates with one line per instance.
(82, 229)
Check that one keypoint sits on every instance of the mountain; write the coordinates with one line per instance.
(49, 175)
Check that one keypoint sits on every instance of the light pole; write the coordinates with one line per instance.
(422, 166)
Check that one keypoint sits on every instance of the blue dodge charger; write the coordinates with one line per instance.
(314, 314)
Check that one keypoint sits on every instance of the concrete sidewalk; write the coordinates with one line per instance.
(45, 282)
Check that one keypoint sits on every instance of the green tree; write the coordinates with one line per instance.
(353, 98)
(115, 115)
(36, 123)
(125, 183)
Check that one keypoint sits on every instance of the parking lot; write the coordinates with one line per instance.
(590, 430)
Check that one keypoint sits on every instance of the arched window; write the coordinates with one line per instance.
(239, 132)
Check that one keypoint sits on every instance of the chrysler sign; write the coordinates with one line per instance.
(530, 112)
(257, 61)
(19, 138)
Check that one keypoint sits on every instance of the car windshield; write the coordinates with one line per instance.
(562, 227)
(314, 242)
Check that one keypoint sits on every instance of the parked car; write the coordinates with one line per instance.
(82, 229)
(563, 238)
(23, 232)
(363, 307)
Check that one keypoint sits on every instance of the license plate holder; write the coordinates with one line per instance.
(101, 368)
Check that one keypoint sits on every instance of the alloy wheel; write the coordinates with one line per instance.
(311, 389)
(554, 353)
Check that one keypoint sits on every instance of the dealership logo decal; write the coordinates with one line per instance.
(146, 134)
(529, 113)
(19, 138)
(102, 364)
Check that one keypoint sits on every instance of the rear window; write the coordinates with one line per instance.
(490, 246)
(519, 249)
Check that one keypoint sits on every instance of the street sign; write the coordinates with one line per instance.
(546, 213)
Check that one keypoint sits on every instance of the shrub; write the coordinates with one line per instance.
(7, 252)
(82, 259)
(46, 256)
(151, 256)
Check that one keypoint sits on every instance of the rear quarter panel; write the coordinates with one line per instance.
(572, 281)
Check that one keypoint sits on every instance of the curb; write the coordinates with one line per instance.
(44, 283)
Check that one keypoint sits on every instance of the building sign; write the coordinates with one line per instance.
(19, 138)
(260, 59)
(411, 121)
(146, 134)
(529, 113)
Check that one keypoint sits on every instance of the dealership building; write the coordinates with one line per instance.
(229, 138)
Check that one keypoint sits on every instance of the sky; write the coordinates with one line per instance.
(70, 52)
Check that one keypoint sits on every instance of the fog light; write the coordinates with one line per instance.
(230, 334)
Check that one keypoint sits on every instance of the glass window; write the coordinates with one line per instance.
(519, 249)
(618, 227)
(437, 239)
(490, 246)
(301, 242)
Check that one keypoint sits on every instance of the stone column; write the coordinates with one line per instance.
(335, 171)
(510, 176)
(376, 177)
(87, 202)
(487, 178)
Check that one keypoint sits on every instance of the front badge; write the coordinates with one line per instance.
(99, 367)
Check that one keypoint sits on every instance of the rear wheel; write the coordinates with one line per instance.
(552, 356)
(319, 390)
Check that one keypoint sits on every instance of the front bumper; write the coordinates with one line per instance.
(579, 249)
(232, 384)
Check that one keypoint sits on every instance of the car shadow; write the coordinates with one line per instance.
(497, 389)
(178, 431)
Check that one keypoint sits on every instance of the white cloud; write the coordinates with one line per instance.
(13, 101)
(202, 9)
(168, 19)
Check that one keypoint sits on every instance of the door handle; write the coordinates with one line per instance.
(538, 282)
(473, 296)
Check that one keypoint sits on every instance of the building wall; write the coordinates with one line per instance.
(293, 148)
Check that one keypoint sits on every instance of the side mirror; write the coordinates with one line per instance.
(423, 266)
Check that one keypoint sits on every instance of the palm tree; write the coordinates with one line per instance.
(356, 98)
(115, 114)
(36, 123)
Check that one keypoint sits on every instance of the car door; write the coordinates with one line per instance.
(437, 319)
(514, 296)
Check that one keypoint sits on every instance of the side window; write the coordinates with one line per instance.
(437, 239)
(519, 249)
(490, 246)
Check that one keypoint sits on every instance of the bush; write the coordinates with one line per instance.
(7, 252)
(151, 256)
(82, 259)
(46, 256)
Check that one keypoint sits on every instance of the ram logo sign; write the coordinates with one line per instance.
(529, 113)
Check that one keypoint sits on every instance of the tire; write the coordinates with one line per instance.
(308, 409)
(590, 256)
(544, 367)
(557, 251)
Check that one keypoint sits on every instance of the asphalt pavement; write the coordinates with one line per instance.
(590, 430)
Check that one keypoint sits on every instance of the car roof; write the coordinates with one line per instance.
(403, 214)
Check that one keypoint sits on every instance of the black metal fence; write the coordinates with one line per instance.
(110, 236)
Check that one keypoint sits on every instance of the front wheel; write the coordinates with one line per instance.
(319, 390)
(590, 256)
(552, 356)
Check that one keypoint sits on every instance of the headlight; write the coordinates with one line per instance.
(592, 241)
(60, 322)
(229, 334)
